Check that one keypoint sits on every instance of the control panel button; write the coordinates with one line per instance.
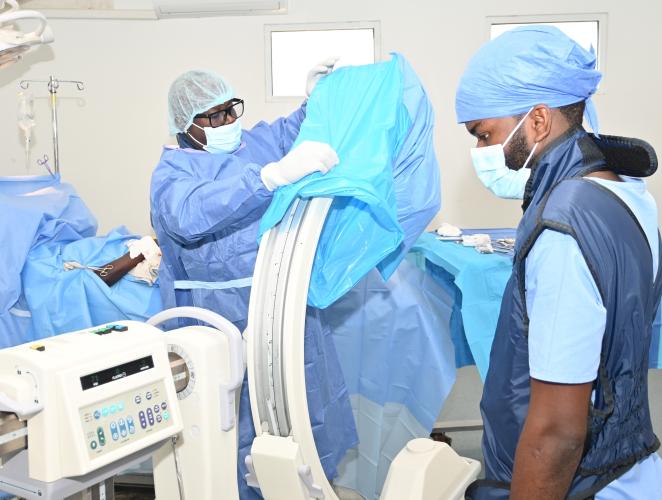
(157, 408)
(120, 406)
(166, 416)
(122, 427)
(117, 328)
(104, 411)
(97, 414)
(101, 436)
(148, 396)
(164, 405)
(159, 419)
(137, 399)
(116, 436)
(113, 426)
(150, 416)
(113, 409)
(93, 445)
(143, 421)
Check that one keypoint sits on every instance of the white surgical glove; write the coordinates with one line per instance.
(306, 158)
(318, 71)
(145, 246)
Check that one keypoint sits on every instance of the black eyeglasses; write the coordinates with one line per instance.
(220, 117)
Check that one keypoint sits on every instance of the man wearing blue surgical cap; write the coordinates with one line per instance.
(565, 403)
(207, 198)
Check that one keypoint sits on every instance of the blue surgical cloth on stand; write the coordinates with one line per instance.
(397, 357)
(479, 281)
(386, 186)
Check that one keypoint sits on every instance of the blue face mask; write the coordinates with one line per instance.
(490, 165)
(223, 139)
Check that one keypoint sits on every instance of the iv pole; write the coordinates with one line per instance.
(53, 86)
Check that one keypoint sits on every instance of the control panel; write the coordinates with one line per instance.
(126, 418)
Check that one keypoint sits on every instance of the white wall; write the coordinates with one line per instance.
(111, 134)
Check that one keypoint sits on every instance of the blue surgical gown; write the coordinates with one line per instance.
(205, 209)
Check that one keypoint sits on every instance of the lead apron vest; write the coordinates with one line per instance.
(619, 258)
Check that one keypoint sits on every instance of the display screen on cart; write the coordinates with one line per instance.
(116, 372)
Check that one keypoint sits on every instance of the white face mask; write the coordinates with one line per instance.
(223, 139)
(490, 165)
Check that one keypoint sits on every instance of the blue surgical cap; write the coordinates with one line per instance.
(524, 67)
(192, 93)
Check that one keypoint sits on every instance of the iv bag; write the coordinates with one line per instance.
(26, 112)
(26, 122)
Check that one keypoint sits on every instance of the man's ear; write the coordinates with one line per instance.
(542, 122)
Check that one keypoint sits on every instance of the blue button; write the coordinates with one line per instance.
(116, 436)
(97, 414)
(137, 399)
(149, 413)
(104, 411)
(120, 406)
(148, 396)
(164, 405)
(129, 420)
(157, 408)
(122, 426)
(113, 409)
(143, 424)
(113, 426)
(132, 429)
(158, 419)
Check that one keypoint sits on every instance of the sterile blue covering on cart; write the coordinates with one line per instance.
(480, 280)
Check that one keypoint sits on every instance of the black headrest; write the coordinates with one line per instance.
(625, 156)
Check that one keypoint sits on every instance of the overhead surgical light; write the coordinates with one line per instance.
(14, 42)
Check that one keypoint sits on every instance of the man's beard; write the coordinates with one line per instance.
(518, 151)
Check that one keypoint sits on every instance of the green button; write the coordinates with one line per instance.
(93, 445)
(166, 415)
(101, 436)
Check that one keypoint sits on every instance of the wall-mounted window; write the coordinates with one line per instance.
(293, 49)
(588, 30)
